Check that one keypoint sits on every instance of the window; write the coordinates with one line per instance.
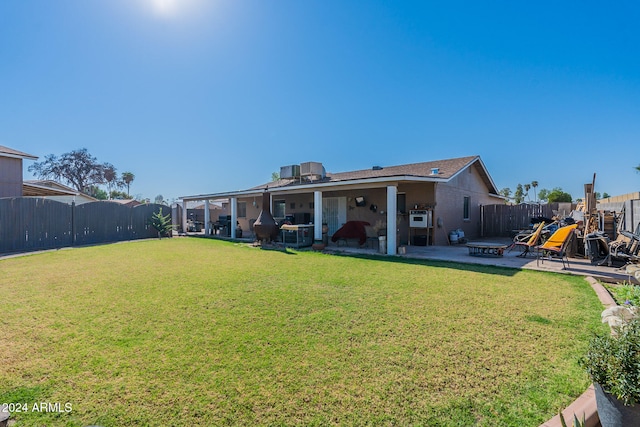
(278, 208)
(242, 209)
(465, 213)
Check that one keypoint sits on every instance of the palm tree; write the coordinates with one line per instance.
(128, 178)
(527, 187)
(534, 184)
(110, 176)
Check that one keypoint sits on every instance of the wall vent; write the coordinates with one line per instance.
(435, 171)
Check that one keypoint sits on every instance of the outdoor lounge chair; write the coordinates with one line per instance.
(531, 242)
(557, 244)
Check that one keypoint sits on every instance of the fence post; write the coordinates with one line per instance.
(73, 223)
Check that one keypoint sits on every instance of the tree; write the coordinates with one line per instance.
(527, 187)
(543, 194)
(557, 195)
(111, 178)
(606, 195)
(160, 200)
(77, 168)
(275, 176)
(518, 197)
(505, 192)
(127, 178)
(119, 195)
(534, 184)
(97, 192)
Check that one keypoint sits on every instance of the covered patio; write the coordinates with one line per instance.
(414, 204)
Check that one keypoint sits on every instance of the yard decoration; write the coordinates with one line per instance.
(162, 223)
(265, 227)
(613, 363)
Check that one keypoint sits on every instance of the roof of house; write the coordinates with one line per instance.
(125, 202)
(10, 152)
(47, 187)
(445, 170)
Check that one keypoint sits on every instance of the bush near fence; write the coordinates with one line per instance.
(30, 224)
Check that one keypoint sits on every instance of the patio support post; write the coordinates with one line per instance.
(317, 215)
(392, 207)
(207, 218)
(184, 216)
(234, 216)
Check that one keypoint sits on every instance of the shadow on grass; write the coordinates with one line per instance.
(276, 248)
(486, 269)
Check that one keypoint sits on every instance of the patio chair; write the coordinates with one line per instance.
(372, 236)
(557, 244)
(615, 253)
(531, 242)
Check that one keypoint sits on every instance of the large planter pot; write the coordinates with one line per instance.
(612, 412)
(318, 245)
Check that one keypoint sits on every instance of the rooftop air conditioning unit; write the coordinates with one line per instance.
(291, 171)
(312, 169)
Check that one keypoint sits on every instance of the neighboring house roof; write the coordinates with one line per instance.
(47, 187)
(10, 152)
(447, 169)
(125, 202)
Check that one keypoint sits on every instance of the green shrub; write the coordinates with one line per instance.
(613, 361)
(627, 292)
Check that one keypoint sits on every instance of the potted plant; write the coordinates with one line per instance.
(613, 363)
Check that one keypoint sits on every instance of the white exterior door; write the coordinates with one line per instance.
(334, 213)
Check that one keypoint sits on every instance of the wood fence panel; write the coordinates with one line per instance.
(140, 217)
(28, 224)
(506, 220)
(101, 222)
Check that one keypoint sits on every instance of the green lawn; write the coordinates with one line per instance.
(189, 331)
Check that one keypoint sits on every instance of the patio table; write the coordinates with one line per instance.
(486, 249)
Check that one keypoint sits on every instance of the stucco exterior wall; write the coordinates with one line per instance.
(10, 177)
(450, 205)
(446, 199)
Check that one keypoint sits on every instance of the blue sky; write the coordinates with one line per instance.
(201, 96)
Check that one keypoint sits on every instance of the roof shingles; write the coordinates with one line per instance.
(10, 152)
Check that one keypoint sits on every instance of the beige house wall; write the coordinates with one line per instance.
(450, 207)
(10, 177)
(446, 199)
(415, 194)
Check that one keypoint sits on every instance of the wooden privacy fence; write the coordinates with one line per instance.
(504, 220)
(29, 224)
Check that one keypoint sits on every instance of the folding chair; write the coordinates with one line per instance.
(531, 242)
(557, 244)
